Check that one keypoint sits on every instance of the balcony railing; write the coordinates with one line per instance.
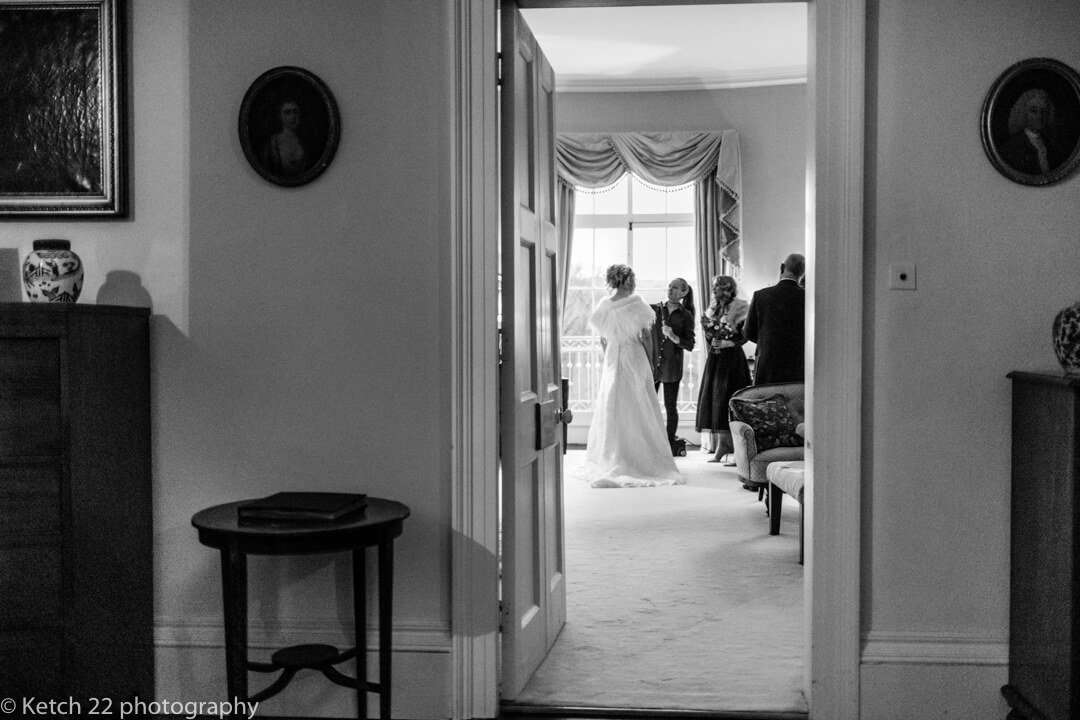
(583, 359)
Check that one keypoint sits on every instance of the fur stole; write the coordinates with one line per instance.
(622, 319)
(737, 312)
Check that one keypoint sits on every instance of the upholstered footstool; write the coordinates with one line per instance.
(787, 477)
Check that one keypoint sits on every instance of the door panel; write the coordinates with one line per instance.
(553, 445)
(533, 580)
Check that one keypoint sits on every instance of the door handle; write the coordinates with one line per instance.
(565, 415)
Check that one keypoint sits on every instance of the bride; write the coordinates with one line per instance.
(627, 445)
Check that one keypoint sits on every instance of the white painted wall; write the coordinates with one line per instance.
(996, 261)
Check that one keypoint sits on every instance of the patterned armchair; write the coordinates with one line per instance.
(763, 423)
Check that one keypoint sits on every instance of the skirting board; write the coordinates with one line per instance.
(960, 692)
(906, 675)
(933, 649)
(190, 666)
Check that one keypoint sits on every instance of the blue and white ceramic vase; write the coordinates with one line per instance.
(52, 272)
(1067, 339)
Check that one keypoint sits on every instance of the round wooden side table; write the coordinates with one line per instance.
(376, 526)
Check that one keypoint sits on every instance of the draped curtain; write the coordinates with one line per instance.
(708, 159)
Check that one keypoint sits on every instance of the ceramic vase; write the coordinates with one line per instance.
(52, 272)
(1067, 339)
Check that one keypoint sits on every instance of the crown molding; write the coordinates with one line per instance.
(762, 77)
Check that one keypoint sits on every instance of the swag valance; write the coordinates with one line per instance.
(668, 159)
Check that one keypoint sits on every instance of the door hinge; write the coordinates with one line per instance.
(504, 613)
(498, 69)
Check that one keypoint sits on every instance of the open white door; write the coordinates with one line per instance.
(531, 450)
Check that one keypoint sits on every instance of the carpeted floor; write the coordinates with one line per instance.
(678, 598)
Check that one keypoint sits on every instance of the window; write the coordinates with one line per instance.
(652, 230)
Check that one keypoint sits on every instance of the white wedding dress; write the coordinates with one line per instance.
(627, 444)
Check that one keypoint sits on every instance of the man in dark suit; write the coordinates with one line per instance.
(1031, 147)
(776, 323)
(673, 333)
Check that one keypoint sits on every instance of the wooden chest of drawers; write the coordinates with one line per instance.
(1044, 604)
(75, 514)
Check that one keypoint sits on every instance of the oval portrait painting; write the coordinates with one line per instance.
(289, 126)
(1031, 122)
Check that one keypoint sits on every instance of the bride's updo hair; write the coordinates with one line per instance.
(619, 275)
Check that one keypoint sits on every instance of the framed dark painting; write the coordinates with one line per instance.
(289, 126)
(1031, 122)
(62, 124)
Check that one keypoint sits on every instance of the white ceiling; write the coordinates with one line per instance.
(681, 47)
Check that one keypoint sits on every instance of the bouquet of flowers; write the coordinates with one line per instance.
(716, 327)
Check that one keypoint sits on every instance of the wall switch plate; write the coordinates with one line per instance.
(902, 276)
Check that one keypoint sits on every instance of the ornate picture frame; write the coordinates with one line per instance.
(63, 134)
(1030, 122)
(289, 126)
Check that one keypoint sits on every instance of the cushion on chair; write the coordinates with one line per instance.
(789, 476)
(759, 464)
(773, 422)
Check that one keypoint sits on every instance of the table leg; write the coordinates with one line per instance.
(359, 569)
(386, 603)
(234, 594)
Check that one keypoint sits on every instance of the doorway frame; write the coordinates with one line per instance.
(835, 221)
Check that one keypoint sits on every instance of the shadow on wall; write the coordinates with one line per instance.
(123, 287)
(197, 436)
(10, 276)
(188, 443)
